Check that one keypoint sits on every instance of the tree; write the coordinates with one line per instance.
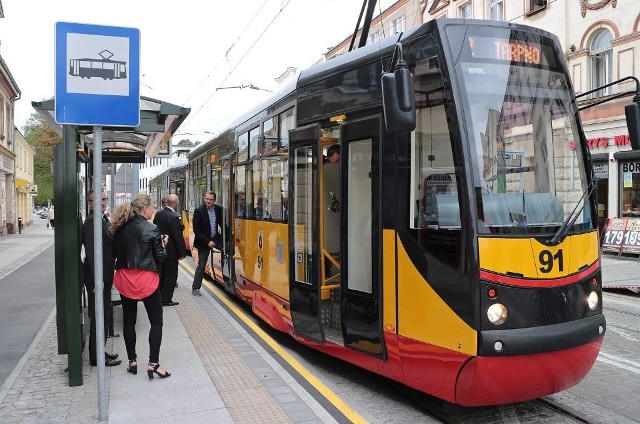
(185, 142)
(43, 139)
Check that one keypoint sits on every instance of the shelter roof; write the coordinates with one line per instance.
(159, 120)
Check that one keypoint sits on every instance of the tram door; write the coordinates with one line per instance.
(304, 281)
(226, 193)
(361, 256)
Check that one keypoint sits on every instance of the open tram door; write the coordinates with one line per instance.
(361, 249)
(228, 245)
(304, 279)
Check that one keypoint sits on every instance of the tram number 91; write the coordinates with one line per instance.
(547, 259)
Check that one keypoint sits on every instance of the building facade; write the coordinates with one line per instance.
(601, 41)
(9, 93)
(398, 17)
(24, 178)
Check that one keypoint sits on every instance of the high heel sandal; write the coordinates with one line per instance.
(133, 369)
(153, 368)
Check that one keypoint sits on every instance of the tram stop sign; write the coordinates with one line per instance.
(97, 74)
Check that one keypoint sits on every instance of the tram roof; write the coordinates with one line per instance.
(159, 120)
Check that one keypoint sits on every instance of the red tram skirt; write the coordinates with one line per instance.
(500, 380)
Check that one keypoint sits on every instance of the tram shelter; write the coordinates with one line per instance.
(159, 120)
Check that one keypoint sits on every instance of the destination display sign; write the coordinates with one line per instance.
(503, 49)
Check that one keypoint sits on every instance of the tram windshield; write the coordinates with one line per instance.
(521, 128)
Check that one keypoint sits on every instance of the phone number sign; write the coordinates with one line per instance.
(622, 235)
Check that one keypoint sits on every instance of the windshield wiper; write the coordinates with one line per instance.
(571, 219)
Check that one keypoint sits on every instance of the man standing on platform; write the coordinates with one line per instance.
(207, 219)
(107, 276)
(168, 222)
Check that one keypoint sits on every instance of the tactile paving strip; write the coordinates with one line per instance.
(246, 398)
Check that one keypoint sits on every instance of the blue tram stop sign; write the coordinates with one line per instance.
(97, 75)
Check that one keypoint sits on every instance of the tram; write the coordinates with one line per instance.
(172, 181)
(100, 68)
(452, 245)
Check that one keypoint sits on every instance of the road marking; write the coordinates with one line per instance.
(328, 394)
(619, 362)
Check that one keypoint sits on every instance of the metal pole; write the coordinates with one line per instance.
(97, 265)
(112, 192)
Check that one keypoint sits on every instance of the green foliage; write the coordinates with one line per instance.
(43, 139)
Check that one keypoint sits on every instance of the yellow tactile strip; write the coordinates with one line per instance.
(246, 398)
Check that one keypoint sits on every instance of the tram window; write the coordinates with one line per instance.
(433, 186)
(243, 147)
(287, 122)
(434, 216)
(270, 202)
(270, 133)
(254, 143)
(256, 200)
(241, 191)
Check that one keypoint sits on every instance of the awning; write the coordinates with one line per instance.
(158, 122)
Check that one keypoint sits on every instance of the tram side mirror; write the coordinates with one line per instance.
(398, 101)
(632, 112)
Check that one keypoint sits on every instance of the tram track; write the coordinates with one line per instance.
(542, 410)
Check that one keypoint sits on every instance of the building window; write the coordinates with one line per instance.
(375, 37)
(535, 5)
(601, 58)
(397, 25)
(496, 10)
(466, 11)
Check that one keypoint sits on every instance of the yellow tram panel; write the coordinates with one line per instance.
(423, 315)
(532, 259)
(507, 255)
(389, 281)
(262, 254)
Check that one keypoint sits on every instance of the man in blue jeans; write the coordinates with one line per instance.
(207, 221)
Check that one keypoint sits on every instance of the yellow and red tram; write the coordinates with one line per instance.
(457, 254)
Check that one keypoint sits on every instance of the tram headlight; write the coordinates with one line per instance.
(593, 300)
(497, 313)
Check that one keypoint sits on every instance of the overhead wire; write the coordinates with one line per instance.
(226, 53)
(283, 5)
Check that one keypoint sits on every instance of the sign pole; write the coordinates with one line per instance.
(98, 272)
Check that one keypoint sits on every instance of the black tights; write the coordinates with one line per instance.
(153, 305)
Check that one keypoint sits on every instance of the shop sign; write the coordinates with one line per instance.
(6, 164)
(602, 142)
(622, 236)
(601, 170)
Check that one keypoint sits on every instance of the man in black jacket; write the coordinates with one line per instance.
(107, 276)
(168, 222)
(207, 221)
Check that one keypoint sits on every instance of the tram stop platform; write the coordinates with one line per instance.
(220, 373)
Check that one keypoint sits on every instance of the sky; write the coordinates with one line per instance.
(189, 48)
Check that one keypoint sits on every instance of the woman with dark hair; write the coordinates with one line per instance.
(139, 249)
